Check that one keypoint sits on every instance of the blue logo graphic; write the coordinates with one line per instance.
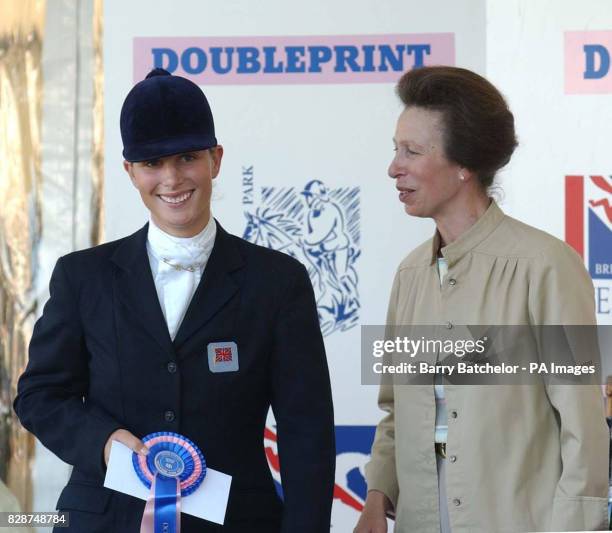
(319, 227)
(353, 445)
(169, 464)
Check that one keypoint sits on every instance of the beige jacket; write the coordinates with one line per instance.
(526, 458)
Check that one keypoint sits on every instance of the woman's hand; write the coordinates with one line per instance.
(124, 437)
(373, 518)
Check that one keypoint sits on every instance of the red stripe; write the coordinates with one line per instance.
(574, 213)
(269, 434)
(346, 498)
(602, 183)
(272, 459)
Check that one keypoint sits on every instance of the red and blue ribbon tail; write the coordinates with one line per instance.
(174, 468)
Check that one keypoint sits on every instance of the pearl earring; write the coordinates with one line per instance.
(461, 177)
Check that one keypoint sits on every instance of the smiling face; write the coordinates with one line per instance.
(428, 182)
(177, 189)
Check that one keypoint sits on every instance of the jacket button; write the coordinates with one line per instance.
(452, 281)
(452, 458)
(449, 325)
(456, 502)
(169, 416)
(454, 414)
(171, 367)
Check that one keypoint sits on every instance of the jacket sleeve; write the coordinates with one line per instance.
(302, 405)
(51, 397)
(381, 473)
(561, 293)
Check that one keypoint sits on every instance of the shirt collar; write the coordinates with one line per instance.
(466, 242)
(189, 249)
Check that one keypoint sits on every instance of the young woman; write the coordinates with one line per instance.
(182, 327)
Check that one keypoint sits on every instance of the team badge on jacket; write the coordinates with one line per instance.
(222, 357)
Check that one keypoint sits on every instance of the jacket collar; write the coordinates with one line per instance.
(466, 242)
(136, 288)
(217, 286)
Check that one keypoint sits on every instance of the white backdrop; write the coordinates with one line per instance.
(341, 134)
(338, 133)
(560, 134)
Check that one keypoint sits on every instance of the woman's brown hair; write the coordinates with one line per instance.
(478, 125)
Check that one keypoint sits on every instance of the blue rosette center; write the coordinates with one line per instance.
(174, 456)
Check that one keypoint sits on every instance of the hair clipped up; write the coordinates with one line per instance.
(478, 125)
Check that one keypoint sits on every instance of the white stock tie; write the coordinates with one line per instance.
(177, 265)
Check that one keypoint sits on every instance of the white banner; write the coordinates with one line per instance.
(304, 105)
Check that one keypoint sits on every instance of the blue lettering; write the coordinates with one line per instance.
(590, 51)
(419, 51)
(200, 60)
(601, 300)
(247, 60)
(216, 59)
(270, 67)
(346, 54)
(368, 55)
(158, 58)
(318, 55)
(251, 60)
(386, 55)
(295, 59)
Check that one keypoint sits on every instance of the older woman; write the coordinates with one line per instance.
(480, 458)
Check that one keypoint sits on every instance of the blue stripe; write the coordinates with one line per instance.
(165, 504)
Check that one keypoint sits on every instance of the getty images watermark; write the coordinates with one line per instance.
(485, 355)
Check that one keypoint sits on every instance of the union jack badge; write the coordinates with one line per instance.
(222, 357)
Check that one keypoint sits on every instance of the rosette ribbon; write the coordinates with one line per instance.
(174, 468)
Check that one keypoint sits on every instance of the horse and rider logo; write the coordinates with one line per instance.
(319, 227)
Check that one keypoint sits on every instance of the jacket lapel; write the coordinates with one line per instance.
(135, 287)
(216, 287)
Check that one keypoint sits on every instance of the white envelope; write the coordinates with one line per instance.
(209, 501)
